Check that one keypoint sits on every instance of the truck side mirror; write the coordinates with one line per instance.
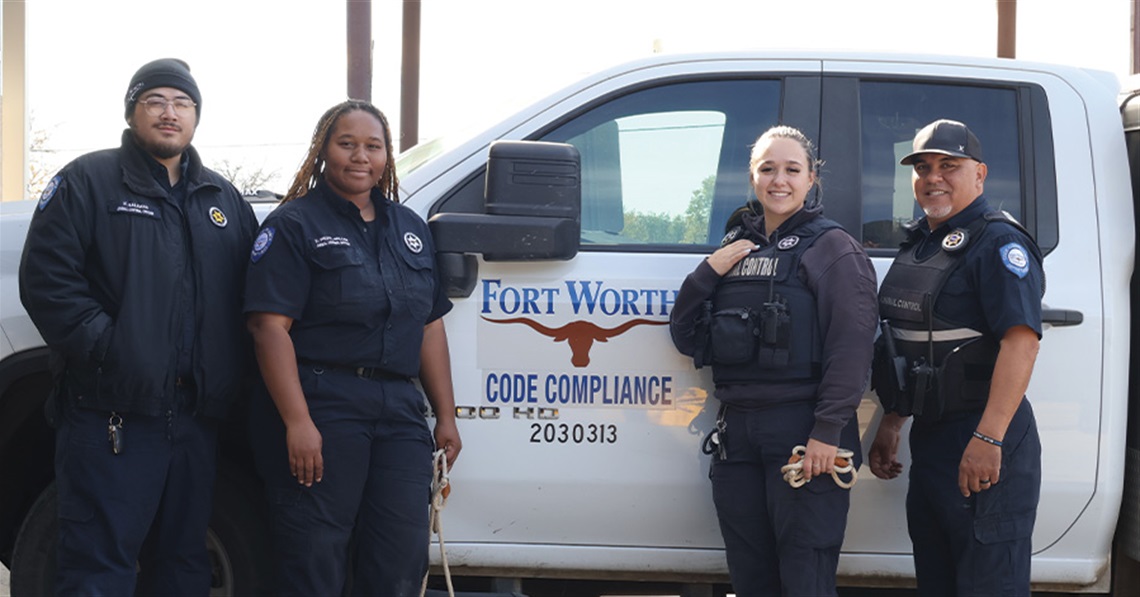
(532, 199)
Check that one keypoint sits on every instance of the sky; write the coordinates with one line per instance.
(267, 69)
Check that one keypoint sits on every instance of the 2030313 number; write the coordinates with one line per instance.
(577, 433)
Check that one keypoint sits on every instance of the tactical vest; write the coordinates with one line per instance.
(925, 365)
(761, 325)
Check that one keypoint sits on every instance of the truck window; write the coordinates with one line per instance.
(657, 164)
(891, 113)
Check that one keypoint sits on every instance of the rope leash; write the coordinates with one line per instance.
(794, 474)
(440, 489)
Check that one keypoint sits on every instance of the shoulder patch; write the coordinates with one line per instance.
(1015, 258)
(261, 244)
(49, 192)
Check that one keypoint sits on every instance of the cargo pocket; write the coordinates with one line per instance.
(292, 513)
(819, 514)
(734, 334)
(85, 441)
(999, 513)
(75, 509)
(963, 384)
(1004, 526)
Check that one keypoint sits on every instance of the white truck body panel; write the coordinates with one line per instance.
(585, 461)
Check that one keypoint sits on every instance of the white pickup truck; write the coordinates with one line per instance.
(582, 467)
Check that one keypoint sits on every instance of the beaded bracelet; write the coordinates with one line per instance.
(986, 438)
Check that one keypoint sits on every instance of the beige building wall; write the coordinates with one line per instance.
(13, 111)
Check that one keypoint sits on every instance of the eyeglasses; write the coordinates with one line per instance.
(156, 106)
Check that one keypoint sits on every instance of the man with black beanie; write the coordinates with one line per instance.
(132, 272)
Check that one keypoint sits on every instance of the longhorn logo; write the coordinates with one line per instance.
(580, 335)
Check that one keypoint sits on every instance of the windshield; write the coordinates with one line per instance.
(410, 160)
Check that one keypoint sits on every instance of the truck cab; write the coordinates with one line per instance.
(581, 423)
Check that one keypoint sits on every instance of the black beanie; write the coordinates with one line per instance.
(164, 72)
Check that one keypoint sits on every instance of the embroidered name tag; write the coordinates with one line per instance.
(135, 208)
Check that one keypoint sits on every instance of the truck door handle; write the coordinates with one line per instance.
(1061, 317)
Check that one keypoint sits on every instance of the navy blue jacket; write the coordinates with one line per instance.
(102, 272)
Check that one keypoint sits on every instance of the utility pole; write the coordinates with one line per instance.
(359, 49)
(410, 77)
(13, 108)
(1135, 36)
(1007, 28)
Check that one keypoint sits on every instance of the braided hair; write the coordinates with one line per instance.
(313, 166)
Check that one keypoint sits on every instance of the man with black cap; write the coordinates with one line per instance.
(132, 272)
(962, 322)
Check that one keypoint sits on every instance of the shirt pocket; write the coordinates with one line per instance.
(341, 278)
(419, 283)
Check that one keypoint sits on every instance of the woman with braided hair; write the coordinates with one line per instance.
(344, 303)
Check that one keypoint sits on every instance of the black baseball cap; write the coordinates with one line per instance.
(946, 137)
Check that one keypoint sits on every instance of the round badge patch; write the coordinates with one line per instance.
(730, 236)
(1015, 259)
(413, 242)
(49, 191)
(788, 242)
(218, 218)
(261, 245)
(955, 240)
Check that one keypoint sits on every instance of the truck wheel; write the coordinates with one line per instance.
(237, 541)
(33, 555)
(238, 537)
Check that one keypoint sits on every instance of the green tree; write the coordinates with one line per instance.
(688, 228)
(696, 218)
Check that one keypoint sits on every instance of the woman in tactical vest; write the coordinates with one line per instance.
(785, 313)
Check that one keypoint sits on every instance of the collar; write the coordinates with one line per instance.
(158, 171)
(755, 223)
(348, 209)
(970, 213)
(140, 173)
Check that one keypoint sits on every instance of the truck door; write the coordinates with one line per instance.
(868, 125)
(585, 423)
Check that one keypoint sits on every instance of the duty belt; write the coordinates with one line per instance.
(373, 373)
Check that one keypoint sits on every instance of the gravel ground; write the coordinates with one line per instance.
(4, 592)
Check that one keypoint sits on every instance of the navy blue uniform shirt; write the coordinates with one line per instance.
(353, 304)
(998, 284)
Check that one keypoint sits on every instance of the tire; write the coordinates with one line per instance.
(33, 555)
(237, 540)
(238, 537)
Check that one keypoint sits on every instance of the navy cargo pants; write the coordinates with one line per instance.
(978, 545)
(377, 451)
(148, 506)
(778, 540)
